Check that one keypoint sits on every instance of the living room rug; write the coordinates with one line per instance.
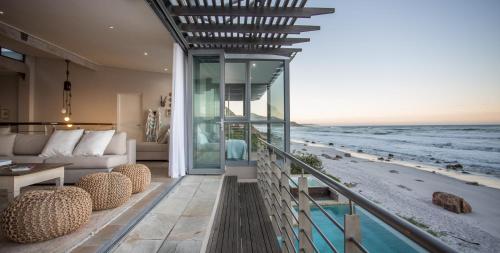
(98, 220)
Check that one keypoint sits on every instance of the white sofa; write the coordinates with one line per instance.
(152, 151)
(27, 147)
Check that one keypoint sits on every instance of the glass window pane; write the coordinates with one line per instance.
(236, 142)
(12, 54)
(277, 133)
(267, 90)
(257, 131)
(235, 83)
(206, 112)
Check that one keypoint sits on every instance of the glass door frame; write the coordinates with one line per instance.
(190, 113)
(189, 105)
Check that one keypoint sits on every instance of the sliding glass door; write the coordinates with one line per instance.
(207, 116)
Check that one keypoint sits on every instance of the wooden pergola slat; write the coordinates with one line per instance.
(286, 29)
(249, 12)
(274, 51)
(245, 41)
(238, 26)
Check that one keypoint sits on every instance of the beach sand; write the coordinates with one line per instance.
(408, 193)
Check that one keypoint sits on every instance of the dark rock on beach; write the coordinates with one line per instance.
(451, 202)
(327, 156)
(454, 166)
(390, 156)
(360, 151)
(381, 159)
(394, 171)
(347, 154)
(330, 144)
(472, 183)
(337, 157)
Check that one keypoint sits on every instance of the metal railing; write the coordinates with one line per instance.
(48, 127)
(291, 217)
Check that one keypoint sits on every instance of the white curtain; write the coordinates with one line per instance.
(177, 156)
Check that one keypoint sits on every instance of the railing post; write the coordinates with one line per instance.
(274, 195)
(351, 231)
(305, 227)
(286, 215)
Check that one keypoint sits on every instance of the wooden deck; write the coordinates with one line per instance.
(241, 223)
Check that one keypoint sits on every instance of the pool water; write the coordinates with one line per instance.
(311, 182)
(376, 236)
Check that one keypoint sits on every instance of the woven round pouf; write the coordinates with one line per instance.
(107, 190)
(41, 215)
(139, 174)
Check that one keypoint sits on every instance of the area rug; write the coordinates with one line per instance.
(98, 220)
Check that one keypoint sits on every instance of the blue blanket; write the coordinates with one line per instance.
(236, 149)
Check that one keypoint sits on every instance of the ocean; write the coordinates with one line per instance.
(475, 147)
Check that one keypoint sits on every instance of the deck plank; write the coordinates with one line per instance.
(241, 223)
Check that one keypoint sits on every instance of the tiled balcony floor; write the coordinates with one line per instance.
(179, 222)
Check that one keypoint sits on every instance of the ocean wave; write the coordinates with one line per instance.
(382, 133)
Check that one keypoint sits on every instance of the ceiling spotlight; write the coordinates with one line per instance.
(111, 27)
(146, 53)
(253, 64)
(1, 12)
(165, 69)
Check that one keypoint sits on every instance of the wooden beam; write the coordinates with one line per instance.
(245, 41)
(249, 12)
(273, 51)
(41, 44)
(230, 28)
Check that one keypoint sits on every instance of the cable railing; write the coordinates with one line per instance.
(291, 216)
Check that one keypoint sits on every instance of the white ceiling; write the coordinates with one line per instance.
(82, 26)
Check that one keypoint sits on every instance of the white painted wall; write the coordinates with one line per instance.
(8, 95)
(94, 92)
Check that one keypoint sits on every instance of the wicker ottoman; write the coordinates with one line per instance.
(107, 190)
(139, 174)
(41, 215)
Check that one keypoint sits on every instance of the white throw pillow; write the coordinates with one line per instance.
(93, 143)
(7, 144)
(62, 143)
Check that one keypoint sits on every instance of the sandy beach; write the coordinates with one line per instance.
(407, 191)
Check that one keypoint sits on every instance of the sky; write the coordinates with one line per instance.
(399, 62)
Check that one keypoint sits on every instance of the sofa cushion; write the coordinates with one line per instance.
(93, 143)
(62, 142)
(117, 145)
(30, 144)
(90, 162)
(26, 159)
(151, 147)
(7, 144)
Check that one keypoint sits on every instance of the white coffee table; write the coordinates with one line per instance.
(13, 181)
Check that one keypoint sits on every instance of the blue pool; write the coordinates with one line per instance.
(376, 237)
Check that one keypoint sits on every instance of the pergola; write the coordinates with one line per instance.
(238, 26)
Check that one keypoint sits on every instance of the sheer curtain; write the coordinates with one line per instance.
(177, 148)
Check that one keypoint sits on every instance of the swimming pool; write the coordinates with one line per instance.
(311, 182)
(376, 236)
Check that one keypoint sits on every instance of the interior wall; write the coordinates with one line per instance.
(8, 96)
(94, 93)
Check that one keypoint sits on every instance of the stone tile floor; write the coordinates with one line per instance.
(179, 222)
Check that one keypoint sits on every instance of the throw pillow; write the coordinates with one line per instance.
(7, 144)
(62, 143)
(93, 143)
(117, 145)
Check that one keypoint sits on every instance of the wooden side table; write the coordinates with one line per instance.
(13, 181)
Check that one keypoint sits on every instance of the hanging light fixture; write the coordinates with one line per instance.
(66, 109)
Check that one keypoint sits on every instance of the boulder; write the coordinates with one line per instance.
(330, 144)
(337, 157)
(347, 154)
(451, 202)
